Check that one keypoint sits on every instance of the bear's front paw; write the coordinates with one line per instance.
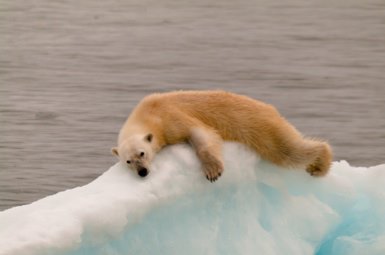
(213, 167)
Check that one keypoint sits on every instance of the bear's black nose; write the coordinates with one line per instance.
(143, 172)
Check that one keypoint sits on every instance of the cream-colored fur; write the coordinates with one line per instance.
(205, 119)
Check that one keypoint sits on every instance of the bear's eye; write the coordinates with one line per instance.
(128, 161)
(141, 154)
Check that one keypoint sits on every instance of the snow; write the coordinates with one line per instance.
(254, 208)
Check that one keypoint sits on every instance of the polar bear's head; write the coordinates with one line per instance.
(136, 152)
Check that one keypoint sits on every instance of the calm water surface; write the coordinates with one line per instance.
(71, 71)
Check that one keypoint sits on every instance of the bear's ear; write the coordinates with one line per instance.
(114, 151)
(148, 138)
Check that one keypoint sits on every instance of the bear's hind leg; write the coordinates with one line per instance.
(311, 154)
(208, 146)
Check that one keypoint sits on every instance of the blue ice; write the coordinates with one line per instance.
(254, 208)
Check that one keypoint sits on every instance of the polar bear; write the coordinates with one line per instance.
(207, 118)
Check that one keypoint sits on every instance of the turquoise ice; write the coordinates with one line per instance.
(254, 208)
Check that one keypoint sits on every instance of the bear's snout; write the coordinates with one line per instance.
(143, 172)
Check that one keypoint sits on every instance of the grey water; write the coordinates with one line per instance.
(71, 71)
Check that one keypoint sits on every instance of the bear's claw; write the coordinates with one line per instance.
(211, 179)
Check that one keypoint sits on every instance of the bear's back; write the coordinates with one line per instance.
(230, 114)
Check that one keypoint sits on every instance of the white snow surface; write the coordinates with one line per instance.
(254, 208)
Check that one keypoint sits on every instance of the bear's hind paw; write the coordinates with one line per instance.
(315, 170)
